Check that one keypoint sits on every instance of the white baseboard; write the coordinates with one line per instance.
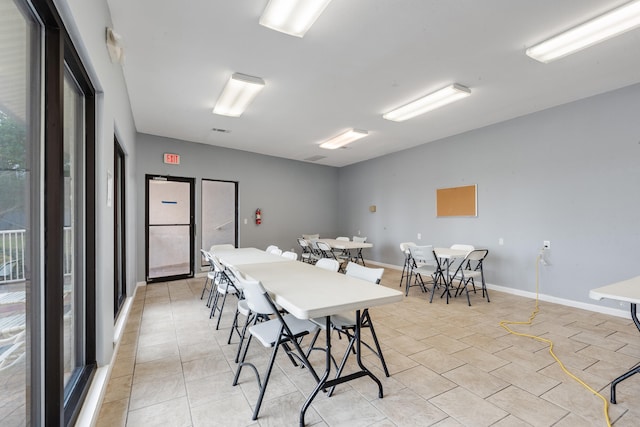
(563, 301)
(88, 416)
(543, 297)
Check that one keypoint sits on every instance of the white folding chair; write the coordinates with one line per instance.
(290, 255)
(424, 264)
(325, 250)
(408, 261)
(307, 254)
(273, 249)
(328, 264)
(224, 286)
(280, 330)
(470, 270)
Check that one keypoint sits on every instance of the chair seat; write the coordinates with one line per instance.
(426, 269)
(269, 332)
(467, 274)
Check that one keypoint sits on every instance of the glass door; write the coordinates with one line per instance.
(169, 228)
(219, 213)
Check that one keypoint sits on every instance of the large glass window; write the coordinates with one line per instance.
(18, 90)
(73, 232)
(47, 211)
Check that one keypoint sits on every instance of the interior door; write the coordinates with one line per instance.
(219, 213)
(169, 228)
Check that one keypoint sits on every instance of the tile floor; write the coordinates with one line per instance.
(450, 365)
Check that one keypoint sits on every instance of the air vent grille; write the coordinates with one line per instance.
(221, 130)
(315, 158)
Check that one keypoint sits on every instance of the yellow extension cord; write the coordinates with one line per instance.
(504, 324)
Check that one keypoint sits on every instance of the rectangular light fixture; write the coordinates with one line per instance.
(606, 26)
(344, 139)
(238, 94)
(293, 17)
(430, 102)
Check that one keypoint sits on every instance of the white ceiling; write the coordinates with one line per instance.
(360, 59)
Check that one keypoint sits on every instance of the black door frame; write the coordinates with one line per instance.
(192, 208)
(119, 230)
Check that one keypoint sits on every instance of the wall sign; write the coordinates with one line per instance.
(172, 159)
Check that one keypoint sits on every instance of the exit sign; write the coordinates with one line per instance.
(172, 159)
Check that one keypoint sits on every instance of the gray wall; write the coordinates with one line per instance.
(295, 197)
(569, 174)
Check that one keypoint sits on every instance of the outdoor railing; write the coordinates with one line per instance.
(12, 254)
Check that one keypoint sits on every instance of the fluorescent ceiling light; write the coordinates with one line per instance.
(293, 17)
(611, 24)
(344, 139)
(430, 102)
(238, 94)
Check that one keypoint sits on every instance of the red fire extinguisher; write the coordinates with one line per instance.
(258, 217)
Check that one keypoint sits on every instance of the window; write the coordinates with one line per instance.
(47, 229)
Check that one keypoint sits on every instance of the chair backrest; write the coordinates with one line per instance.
(328, 264)
(216, 262)
(303, 243)
(271, 248)
(359, 239)
(234, 275)
(290, 255)
(462, 247)
(256, 296)
(310, 236)
(404, 247)
(224, 246)
(372, 275)
(422, 254)
(313, 245)
(475, 258)
(342, 238)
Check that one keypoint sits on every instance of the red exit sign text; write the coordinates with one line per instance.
(172, 159)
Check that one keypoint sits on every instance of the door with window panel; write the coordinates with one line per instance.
(170, 225)
(219, 213)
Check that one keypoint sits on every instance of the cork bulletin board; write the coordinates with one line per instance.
(457, 201)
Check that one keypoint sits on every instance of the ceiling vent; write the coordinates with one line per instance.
(315, 158)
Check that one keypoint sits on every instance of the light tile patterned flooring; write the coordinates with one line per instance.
(450, 365)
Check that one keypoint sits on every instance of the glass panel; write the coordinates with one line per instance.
(219, 220)
(169, 202)
(73, 249)
(17, 141)
(169, 250)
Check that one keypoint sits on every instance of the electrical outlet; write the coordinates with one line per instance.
(501, 241)
(546, 244)
(419, 236)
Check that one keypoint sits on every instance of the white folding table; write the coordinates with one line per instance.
(627, 291)
(239, 256)
(308, 292)
(348, 245)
